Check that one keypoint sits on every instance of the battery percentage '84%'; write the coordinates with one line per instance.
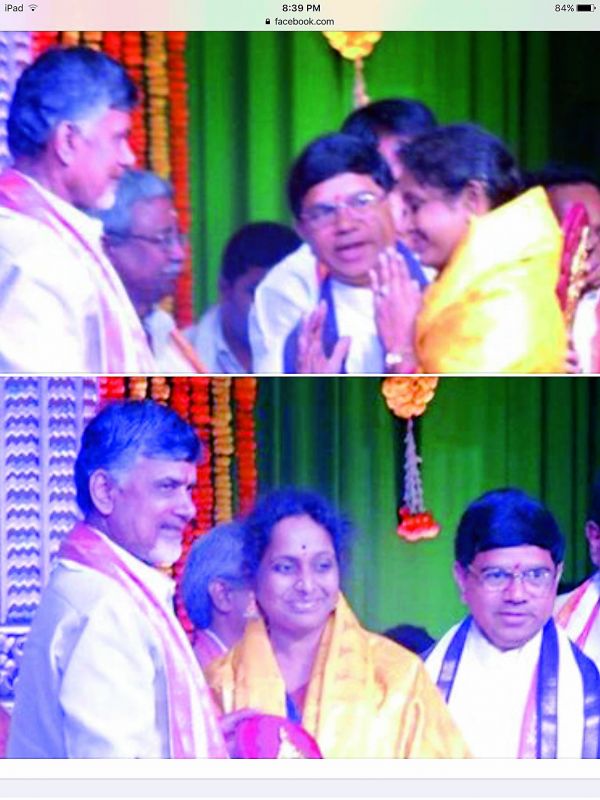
(564, 7)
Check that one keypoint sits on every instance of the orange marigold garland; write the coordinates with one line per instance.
(155, 69)
(93, 39)
(70, 38)
(244, 393)
(132, 56)
(355, 46)
(112, 44)
(223, 448)
(179, 154)
(407, 397)
(110, 388)
(160, 390)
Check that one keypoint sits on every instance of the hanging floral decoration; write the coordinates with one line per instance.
(408, 397)
(355, 46)
(221, 411)
(156, 62)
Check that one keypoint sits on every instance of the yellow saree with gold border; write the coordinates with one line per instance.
(494, 307)
(367, 696)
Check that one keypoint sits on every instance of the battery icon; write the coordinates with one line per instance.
(585, 7)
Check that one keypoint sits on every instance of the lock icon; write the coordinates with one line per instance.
(267, 21)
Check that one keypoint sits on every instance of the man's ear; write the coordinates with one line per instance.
(218, 591)
(102, 487)
(475, 199)
(592, 531)
(63, 141)
(460, 576)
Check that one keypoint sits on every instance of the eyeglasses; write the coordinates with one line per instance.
(166, 240)
(536, 580)
(323, 215)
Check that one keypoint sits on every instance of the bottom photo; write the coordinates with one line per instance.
(195, 567)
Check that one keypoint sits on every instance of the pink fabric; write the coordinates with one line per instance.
(86, 547)
(120, 323)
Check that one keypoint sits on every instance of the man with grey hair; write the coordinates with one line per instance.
(63, 308)
(216, 592)
(107, 670)
(146, 247)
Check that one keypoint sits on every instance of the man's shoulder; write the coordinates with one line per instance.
(298, 269)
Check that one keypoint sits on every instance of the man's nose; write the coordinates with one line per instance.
(515, 590)
(186, 507)
(127, 155)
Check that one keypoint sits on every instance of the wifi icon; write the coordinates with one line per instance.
(32, 7)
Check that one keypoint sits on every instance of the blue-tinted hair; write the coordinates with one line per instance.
(217, 554)
(259, 244)
(398, 116)
(451, 156)
(126, 429)
(506, 518)
(73, 83)
(289, 502)
(332, 155)
(134, 185)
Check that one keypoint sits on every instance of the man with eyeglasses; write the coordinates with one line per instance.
(340, 193)
(515, 684)
(292, 288)
(147, 249)
(578, 611)
(63, 308)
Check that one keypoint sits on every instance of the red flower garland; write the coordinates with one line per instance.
(179, 153)
(132, 56)
(244, 393)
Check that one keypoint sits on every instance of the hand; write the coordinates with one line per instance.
(397, 301)
(311, 356)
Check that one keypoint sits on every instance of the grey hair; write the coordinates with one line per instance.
(134, 185)
(216, 554)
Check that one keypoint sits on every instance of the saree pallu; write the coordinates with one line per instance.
(367, 696)
(494, 307)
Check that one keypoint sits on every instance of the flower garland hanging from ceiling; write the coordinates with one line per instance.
(355, 46)
(407, 398)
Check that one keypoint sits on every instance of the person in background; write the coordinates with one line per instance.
(565, 187)
(146, 247)
(220, 337)
(291, 290)
(414, 638)
(308, 659)
(216, 591)
(63, 308)
(107, 670)
(577, 611)
(514, 683)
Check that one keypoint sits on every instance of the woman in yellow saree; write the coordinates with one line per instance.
(307, 658)
(493, 307)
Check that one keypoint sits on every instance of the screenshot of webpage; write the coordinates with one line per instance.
(230, 92)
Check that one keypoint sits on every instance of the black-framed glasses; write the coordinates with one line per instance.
(535, 580)
(322, 215)
(166, 240)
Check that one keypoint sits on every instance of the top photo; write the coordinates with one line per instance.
(299, 203)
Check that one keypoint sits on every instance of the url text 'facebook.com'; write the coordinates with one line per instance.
(296, 21)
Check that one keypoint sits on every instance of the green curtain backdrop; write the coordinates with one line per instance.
(257, 98)
(337, 436)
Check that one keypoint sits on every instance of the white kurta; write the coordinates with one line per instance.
(208, 340)
(490, 693)
(584, 328)
(92, 681)
(159, 325)
(54, 292)
(288, 291)
(579, 618)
